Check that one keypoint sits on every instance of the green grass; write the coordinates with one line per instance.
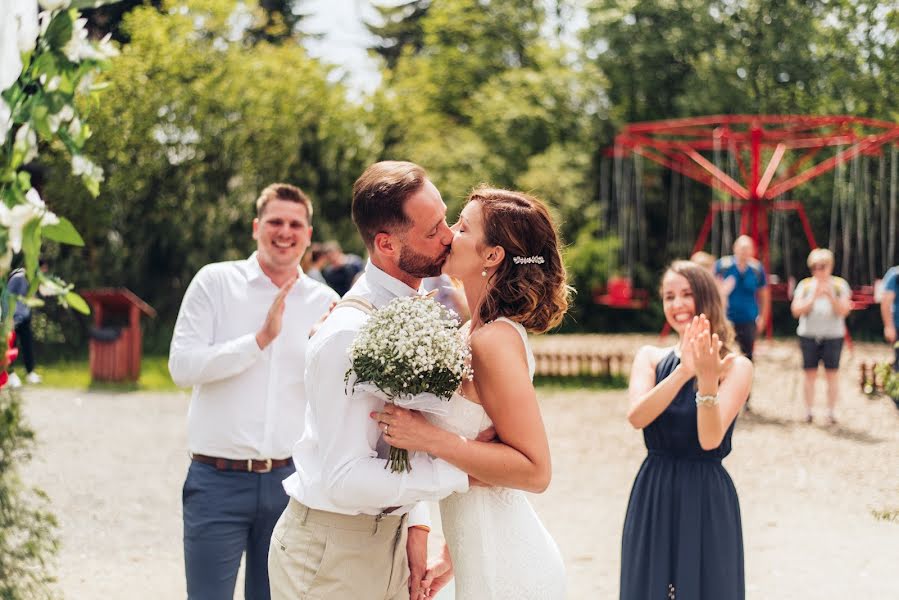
(75, 374)
(580, 382)
(154, 377)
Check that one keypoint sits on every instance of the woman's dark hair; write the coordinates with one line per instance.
(530, 286)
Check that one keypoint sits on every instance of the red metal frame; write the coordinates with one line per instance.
(789, 143)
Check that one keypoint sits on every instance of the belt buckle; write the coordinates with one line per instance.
(266, 469)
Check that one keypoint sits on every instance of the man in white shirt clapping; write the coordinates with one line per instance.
(240, 341)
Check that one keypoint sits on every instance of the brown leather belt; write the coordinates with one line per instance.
(250, 465)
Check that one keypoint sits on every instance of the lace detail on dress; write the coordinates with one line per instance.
(500, 549)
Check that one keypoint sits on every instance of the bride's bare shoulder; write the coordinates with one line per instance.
(495, 338)
(495, 332)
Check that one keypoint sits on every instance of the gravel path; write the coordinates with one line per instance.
(114, 464)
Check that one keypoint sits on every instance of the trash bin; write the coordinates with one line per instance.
(115, 336)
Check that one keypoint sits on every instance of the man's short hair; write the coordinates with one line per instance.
(379, 196)
(286, 192)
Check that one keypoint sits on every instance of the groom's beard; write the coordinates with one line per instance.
(419, 265)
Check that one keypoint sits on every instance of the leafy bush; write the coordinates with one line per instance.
(27, 537)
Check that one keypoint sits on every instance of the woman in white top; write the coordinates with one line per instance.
(821, 303)
(506, 254)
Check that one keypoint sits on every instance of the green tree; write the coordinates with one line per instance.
(277, 22)
(487, 90)
(195, 125)
(399, 30)
(647, 50)
(466, 42)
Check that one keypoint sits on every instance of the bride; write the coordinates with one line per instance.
(506, 254)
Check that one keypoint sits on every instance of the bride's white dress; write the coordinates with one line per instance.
(499, 547)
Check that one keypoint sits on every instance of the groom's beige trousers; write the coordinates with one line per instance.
(328, 556)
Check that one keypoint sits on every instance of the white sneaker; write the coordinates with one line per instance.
(33, 378)
(14, 381)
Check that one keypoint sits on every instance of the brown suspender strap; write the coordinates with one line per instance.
(360, 303)
(357, 302)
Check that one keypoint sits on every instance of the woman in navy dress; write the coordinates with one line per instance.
(682, 533)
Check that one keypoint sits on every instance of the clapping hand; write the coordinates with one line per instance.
(705, 353)
(271, 328)
(824, 291)
(686, 347)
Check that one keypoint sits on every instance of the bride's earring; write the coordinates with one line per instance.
(484, 272)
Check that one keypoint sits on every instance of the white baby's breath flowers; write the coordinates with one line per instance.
(415, 337)
(411, 353)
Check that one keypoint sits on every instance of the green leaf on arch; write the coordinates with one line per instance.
(63, 232)
(77, 302)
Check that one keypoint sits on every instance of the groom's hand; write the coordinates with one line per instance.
(272, 326)
(417, 553)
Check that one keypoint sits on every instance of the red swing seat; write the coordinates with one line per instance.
(620, 293)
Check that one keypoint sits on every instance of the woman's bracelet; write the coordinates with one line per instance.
(706, 399)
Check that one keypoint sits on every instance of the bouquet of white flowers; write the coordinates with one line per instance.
(411, 353)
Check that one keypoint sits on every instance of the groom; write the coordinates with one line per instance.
(350, 523)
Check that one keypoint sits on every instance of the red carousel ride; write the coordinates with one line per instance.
(754, 163)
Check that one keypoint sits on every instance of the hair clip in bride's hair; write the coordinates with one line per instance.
(528, 260)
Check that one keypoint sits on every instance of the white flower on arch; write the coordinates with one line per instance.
(16, 218)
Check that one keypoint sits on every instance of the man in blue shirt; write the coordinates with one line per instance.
(889, 309)
(748, 301)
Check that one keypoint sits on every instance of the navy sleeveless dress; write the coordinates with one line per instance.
(682, 534)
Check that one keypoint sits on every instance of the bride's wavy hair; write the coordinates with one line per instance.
(534, 293)
(706, 298)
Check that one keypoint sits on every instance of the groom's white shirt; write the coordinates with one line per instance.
(339, 468)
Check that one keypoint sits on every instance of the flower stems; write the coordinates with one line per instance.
(398, 461)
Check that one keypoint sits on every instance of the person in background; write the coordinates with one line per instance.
(18, 284)
(240, 341)
(449, 294)
(342, 269)
(704, 260)
(707, 262)
(314, 261)
(821, 303)
(889, 310)
(749, 299)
